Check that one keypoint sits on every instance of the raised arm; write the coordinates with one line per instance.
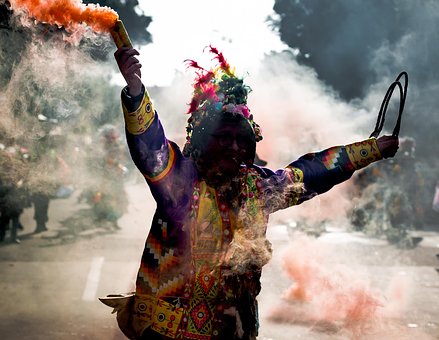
(129, 67)
(152, 153)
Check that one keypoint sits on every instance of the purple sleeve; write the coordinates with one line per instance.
(310, 175)
(322, 170)
(160, 161)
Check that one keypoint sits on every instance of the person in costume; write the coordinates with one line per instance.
(105, 193)
(199, 275)
(49, 171)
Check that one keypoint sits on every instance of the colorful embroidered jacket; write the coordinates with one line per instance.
(200, 270)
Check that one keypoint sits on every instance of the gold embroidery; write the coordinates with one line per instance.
(363, 153)
(163, 316)
(138, 121)
(296, 186)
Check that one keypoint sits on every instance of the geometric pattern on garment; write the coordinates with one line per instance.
(153, 246)
(168, 260)
(149, 277)
(203, 303)
(200, 314)
(149, 266)
(206, 282)
(206, 240)
(166, 319)
(171, 287)
(332, 158)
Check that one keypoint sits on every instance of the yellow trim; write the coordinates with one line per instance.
(297, 185)
(361, 154)
(163, 317)
(138, 122)
(298, 174)
(171, 161)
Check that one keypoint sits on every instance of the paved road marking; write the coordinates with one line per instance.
(94, 274)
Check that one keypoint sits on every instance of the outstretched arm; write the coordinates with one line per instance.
(388, 145)
(317, 172)
(322, 170)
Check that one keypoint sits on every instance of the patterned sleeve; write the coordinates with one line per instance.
(152, 153)
(316, 173)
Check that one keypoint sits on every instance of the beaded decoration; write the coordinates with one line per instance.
(217, 91)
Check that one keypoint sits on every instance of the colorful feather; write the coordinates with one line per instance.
(222, 61)
(215, 91)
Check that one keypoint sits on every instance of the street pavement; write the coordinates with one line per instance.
(50, 282)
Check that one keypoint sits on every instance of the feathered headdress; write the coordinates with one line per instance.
(217, 91)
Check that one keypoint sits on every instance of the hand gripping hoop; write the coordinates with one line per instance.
(382, 114)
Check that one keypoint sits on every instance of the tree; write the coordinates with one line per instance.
(338, 38)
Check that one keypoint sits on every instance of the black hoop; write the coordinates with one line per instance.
(382, 114)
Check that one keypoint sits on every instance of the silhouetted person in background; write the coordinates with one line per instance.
(13, 193)
(106, 194)
(48, 173)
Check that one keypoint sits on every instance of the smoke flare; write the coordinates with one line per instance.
(326, 294)
(69, 14)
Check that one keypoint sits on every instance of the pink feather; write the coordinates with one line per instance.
(220, 57)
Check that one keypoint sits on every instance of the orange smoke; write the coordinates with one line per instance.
(68, 13)
(323, 292)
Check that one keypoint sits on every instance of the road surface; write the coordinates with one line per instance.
(50, 282)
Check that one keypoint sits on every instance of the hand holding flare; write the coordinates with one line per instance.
(120, 35)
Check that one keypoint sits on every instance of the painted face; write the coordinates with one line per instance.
(228, 147)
